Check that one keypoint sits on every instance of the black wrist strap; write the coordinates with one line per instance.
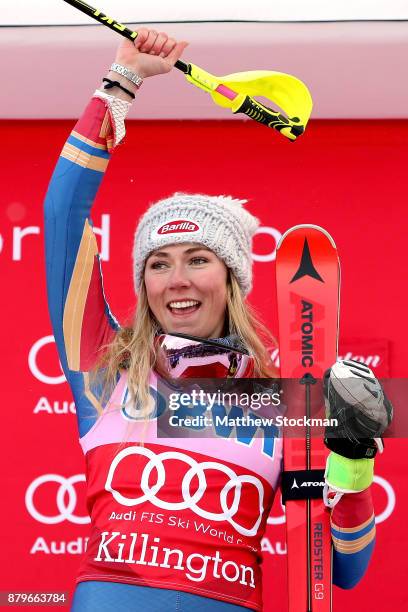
(110, 84)
(365, 448)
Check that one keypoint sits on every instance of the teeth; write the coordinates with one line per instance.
(186, 304)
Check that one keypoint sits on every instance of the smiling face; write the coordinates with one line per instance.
(186, 286)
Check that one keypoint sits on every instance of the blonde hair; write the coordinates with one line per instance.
(133, 347)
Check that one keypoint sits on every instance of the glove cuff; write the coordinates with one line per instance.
(352, 449)
(348, 475)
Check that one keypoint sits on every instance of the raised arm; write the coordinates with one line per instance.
(82, 321)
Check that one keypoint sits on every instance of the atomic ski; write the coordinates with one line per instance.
(308, 284)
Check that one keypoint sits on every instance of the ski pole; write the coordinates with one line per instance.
(307, 380)
(237, 91)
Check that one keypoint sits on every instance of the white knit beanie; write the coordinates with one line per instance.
(218, 222)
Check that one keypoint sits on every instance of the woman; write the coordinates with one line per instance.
(175, 524)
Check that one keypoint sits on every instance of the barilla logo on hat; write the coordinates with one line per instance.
(179, 226)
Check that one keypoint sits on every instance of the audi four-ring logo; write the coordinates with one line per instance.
(66, 511)
(156, 462)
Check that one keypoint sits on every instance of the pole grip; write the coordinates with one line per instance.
(291, 128)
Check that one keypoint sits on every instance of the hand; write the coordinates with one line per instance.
(356, 400)
(150, 54)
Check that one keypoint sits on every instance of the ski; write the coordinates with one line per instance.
(308, 285)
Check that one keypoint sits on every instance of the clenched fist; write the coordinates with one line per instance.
(150, 54)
